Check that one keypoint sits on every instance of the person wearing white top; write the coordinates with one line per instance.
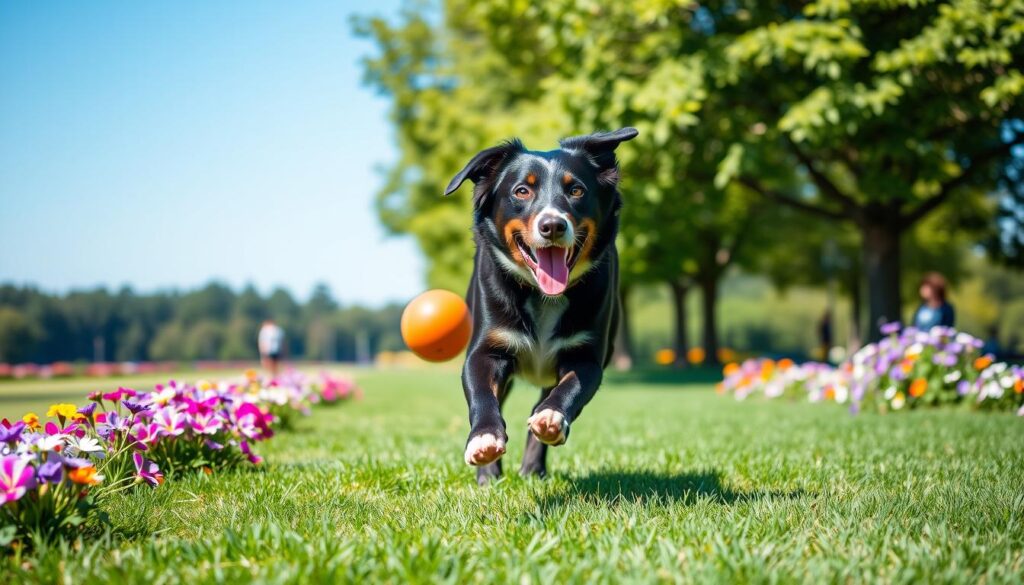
(271, 344)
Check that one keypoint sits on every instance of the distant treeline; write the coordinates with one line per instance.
(211, 323)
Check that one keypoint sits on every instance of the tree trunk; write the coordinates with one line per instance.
(680, 291)
(854, 340)
(622, 358)
(881, 250)
(709, 293)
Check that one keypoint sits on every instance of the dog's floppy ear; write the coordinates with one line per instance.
(481, 168)
(599, 148)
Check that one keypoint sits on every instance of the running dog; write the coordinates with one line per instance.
(544, 292)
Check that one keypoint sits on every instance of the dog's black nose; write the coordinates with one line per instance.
(552, 227)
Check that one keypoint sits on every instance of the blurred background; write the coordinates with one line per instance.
(171, 175)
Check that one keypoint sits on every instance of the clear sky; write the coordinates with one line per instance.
(165, 144)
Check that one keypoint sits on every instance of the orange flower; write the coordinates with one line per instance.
(785, 364)
(731, 369)
(830, 393)
(983, 362)
(665, 357)
(1018, 386)
(719, 388)
(918, 387)
(31, 420)
(907, 365)
(767, 368)
(695, 355)
(251, 374)
(85, 476)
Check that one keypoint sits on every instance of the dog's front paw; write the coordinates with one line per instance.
(549, 426)
(484, 449)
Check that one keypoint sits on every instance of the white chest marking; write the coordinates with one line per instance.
(535, 354)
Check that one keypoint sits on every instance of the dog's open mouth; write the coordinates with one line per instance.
(551, 265)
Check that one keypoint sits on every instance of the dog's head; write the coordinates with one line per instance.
(547, 215)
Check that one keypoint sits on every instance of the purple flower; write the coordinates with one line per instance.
(944, 359)
(77, 462)
(134, 406)
(213, 445)
(53, 470)
(16, 478)
(963, 387)
(112, 424)
(890, 328)
(252, 423)
(146, 470)
(144, 435)
(897, 373)
(12, 434)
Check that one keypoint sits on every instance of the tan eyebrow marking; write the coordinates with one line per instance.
(531, 179)
(567, 178)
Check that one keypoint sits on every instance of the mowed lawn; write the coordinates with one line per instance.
(659, 482)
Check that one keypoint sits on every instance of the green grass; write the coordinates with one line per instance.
(658, 483)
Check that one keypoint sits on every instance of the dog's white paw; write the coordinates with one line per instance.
(484, 449)
(549, 426)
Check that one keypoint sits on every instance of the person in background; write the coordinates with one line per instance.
(271, 342)
(934, 309)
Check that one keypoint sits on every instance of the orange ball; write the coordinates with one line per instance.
(436, 325)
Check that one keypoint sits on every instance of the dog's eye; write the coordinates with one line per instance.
(576, 191)
(522, 192)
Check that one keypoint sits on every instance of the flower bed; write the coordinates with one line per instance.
(907, 369)
(56, 470)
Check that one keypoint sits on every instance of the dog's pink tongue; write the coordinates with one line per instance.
(552, 270)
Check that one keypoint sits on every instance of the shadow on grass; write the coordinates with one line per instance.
(609, 487)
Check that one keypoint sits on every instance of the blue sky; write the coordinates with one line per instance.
(164, 144)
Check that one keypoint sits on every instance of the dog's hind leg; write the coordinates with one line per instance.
(536, 454)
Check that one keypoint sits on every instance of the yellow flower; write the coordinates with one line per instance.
(32, 420)
(203, 385)
(62, 410)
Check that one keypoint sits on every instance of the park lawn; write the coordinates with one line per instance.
(659, 482)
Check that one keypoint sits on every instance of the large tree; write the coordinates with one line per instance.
(890, 110)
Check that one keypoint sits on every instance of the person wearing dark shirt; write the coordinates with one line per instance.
(934, 309)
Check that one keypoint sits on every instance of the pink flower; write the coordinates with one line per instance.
(16, 478)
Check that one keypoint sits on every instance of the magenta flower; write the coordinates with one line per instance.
(144, 434)
(16, 478)
(252, 422)
(252, 457)
(206, 423)
(170, 422)
(146, 470)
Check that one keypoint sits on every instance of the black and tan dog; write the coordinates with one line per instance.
(544, 289)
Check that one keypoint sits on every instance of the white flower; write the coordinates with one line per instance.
(890, 392)
(914, 349)
(952, 377)
(842, 393)
(964, 338)
(898, 401)
(50, 442)
(84, 445)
